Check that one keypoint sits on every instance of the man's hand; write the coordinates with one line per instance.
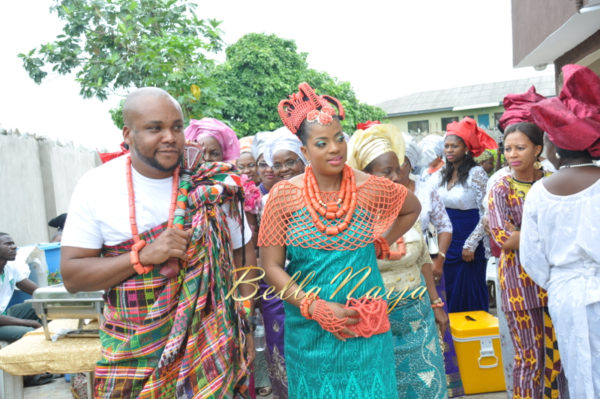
(171, 243)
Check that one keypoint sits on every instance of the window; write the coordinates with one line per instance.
(445, 121)
(497, 116)
(483, 120)
(418, 126)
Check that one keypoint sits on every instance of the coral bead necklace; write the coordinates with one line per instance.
(343, 207)
(137, 243)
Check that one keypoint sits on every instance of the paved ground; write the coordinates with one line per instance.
(57, 389)
(60, 389)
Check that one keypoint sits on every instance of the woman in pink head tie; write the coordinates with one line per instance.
(219, 140)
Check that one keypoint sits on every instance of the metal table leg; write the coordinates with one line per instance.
(12, 385)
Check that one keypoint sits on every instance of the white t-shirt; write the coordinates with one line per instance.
(14, 272)
(99, 208)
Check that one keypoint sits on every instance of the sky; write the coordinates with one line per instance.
(385, 49)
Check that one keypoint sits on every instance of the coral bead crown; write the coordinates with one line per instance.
(306, 104)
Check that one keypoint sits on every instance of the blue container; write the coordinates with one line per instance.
(52, 252)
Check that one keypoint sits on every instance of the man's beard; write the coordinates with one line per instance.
(155, 164)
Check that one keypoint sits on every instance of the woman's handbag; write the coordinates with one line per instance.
(432, 240)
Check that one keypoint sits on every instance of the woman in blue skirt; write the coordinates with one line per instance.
(462, 186)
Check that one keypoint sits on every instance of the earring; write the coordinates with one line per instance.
(537, 165)
(557, 156)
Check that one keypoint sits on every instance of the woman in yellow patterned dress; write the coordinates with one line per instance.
(536, 371)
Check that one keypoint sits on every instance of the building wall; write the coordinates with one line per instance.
(435, 118)
(528, 33)
(587, 53)
(37, 179)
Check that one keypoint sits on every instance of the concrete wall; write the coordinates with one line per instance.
(37, 178)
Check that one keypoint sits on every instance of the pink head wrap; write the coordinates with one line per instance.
(475, 138)
(572, 120)
(517, 107)
(210, 127)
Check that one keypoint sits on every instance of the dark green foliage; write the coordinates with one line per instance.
(115, 45)
(261, 70)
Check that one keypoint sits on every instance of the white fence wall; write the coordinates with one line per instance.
(37, 178)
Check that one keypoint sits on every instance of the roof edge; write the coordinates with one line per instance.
(424, 111)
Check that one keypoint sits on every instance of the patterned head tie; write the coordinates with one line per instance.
(246, 144)
(306, 104)
(366, 145)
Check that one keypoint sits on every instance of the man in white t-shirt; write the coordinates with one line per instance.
(163, 337)
(18, 319)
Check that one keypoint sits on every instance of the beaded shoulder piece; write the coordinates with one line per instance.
(287, 222)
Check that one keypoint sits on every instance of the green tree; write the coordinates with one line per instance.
(260, 70)
(356, 112)
(115, 45)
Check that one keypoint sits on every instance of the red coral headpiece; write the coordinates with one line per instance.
(306, 104)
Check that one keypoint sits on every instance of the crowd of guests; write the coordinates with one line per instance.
(308, 211)
(465, 189)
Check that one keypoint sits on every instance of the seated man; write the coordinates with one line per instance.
(18, 319)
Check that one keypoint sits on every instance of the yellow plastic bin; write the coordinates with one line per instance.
(477, 342)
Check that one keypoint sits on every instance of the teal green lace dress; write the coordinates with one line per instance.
(318, 364)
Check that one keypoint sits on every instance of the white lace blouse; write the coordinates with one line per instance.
(468, 195)
(432, 207)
